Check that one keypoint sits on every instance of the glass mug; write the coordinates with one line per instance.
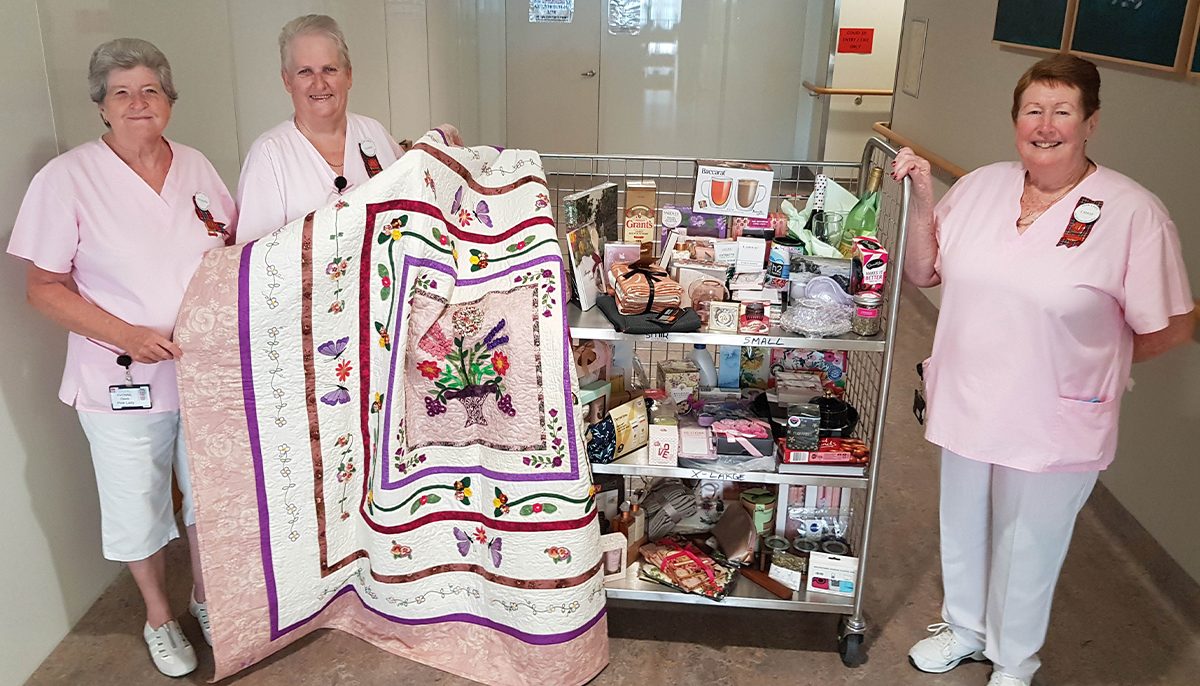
(749, 193)
(717, 190)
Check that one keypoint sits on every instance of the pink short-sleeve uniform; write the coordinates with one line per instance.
(285, 178)
(130, 251)
(1034, 340)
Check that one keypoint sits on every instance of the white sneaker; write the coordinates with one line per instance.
(942, 651)
(1002, 679)
(170, 650)
(200, 612)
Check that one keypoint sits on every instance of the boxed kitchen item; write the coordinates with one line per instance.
(733, 188)
(699, 281)
(832, 573)
(640, 210)
(681, 380)
(695, 223)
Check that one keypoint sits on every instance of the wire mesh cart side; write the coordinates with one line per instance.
(868, 364)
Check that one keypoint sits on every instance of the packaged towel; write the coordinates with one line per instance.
(640, 289)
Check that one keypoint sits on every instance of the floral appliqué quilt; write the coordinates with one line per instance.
(378, 403)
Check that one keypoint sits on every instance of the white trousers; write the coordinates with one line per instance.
(1005, 534)
(134, 456)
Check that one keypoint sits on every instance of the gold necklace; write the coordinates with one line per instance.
(1030, 215)
(337, 166)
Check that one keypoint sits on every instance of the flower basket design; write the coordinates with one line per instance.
(466, 370)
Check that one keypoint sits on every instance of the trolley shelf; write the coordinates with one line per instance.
(623, 466)
(745, 593)
(592, 324)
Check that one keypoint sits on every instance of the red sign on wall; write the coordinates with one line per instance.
(856, 40)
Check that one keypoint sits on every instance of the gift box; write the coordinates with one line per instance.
(832, 573)
(695, 223)
(640, 289)
(681, 380)
(751, 437)
(830, 450)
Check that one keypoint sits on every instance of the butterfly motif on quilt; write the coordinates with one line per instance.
(481, 210)
(333, 349)
(494, 545)
(339, 395)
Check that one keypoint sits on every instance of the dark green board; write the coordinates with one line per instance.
(1146, 31)
(1038, 23)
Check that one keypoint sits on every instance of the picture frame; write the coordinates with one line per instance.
(723, 316)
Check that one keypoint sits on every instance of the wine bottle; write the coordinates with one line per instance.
(861, 221)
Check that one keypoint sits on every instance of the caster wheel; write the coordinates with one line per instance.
(851, 649)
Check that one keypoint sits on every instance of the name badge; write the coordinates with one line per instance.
(130, 396)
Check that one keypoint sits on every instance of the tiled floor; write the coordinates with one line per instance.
(1124, 613)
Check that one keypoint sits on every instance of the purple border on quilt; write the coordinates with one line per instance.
(264, 520)
(385, 476)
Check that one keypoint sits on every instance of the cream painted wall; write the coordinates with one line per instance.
(195, 38)
(1148, 131)
(850, 124)
(50, 533)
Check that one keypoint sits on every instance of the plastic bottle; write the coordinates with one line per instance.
(704, 362)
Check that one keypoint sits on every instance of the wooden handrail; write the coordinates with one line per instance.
(824, 90)
(934, 158)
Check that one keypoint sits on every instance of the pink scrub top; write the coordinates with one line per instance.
(1034, 340)
(285, 178)
(130, 251)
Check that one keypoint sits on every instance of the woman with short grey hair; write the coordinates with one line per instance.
(112, 231)
(321, 150)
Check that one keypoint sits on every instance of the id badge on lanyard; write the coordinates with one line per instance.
(129, 396)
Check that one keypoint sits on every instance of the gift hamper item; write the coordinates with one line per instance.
(678, 563)
(687, 322)
(641, 289)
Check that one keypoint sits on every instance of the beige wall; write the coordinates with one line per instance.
(850, 124)
(1148, 131)
(50, 534)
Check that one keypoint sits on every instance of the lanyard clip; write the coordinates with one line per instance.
(126, 361)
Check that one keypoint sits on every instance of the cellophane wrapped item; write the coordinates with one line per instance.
(676, 562)
(641, 289)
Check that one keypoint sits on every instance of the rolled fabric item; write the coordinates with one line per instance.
(641, 289)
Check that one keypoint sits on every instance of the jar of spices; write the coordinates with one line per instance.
(866, 320)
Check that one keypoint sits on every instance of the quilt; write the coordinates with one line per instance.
(380, 415)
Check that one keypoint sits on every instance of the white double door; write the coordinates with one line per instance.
(700, 78)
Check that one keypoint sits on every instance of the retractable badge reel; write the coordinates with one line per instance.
(129, 396)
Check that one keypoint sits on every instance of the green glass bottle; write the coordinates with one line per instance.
(861, 221)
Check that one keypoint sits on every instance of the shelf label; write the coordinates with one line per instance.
(763, 341)
(656, 336)
(717, 476)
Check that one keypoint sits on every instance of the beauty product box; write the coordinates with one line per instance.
(733, 188)
(630, 422)
(641, 207)
(832, 573)
(751, 256)
(680, 379)
(664, 442)
(695, 223)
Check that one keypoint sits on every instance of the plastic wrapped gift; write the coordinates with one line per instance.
(640, 289)
(677, 563)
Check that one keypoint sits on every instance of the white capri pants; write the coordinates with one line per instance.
(1005, 534)
(134, 456)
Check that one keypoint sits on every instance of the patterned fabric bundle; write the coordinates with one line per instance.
(641, 289)
(378, 409)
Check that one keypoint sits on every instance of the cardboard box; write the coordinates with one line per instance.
(641, 208)
(696, 223)
(630, 422)
(733, 188)
(664, 443)
(680, 379)
(848, 451)
(833, 574)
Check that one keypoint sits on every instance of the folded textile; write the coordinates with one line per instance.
(642, 289)
(644, 323)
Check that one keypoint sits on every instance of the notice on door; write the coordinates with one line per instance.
(859, 41)
(551, 11)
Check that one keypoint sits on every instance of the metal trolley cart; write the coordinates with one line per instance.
(869, 361)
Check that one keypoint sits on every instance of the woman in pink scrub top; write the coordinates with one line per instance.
(1056, 274)
(322, 150)
(113, 231)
